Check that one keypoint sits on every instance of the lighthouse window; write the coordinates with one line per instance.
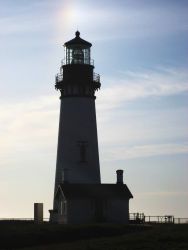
(83, 150)
(77, 56)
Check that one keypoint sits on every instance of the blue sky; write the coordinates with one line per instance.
(140, 50)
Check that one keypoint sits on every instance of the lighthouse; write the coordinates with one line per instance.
(79, 196)
(77, 153)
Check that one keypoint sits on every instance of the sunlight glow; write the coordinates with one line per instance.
(70, 17)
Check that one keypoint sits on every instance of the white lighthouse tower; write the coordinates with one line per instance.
(78, 193)
(77, 153)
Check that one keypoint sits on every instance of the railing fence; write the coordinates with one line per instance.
(142, 218)
(136, 218)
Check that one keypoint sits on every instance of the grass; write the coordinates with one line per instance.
(26, 235)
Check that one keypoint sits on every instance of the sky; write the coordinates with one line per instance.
(140, 50)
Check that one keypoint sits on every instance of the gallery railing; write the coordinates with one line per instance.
(77, 61)
(59, 77)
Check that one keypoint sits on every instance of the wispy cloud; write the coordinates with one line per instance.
(128, 152)
(32, 125)
(140, 30)
(27, 128)
(136, 85)
(25, 19)
(165, 194)
(137, 20)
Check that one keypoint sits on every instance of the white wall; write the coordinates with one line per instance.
(78, 123)
(84, 211)
(80, 211)
(118, 211)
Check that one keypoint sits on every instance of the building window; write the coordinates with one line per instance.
(65, 207)
(61, 207)
(82, 151)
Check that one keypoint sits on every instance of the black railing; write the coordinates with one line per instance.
(59, 77)
(170, 219)
(181, 220)
(78, 61)
(133, 217)
(96, 77)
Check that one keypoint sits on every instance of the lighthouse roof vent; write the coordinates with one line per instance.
(77, 41)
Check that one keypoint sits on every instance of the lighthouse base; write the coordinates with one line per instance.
(91, 203)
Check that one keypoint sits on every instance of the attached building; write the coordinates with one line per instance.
(91, 203)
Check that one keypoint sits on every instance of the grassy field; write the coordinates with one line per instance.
(26, 235)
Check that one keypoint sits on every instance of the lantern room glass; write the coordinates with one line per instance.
(77, 55)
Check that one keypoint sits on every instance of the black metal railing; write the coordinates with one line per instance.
(170, 219)
(73, 61)
(96, 77)
(133, 217)
(59, 77)
(181, 220)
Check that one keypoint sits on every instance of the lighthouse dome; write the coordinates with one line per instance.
(78, 41)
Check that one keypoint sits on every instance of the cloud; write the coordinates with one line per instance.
(32, 126)
(26, 19)
(178, 194)
(130, 86)
(128, 152)
(126, 19)
(117, 21)
(27, 129)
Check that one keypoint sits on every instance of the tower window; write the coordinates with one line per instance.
(83, 151)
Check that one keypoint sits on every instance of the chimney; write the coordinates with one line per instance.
(119, 173)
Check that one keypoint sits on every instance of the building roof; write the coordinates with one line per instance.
(119, 191)
(78, 41)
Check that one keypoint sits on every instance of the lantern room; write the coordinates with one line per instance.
(77, 51)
